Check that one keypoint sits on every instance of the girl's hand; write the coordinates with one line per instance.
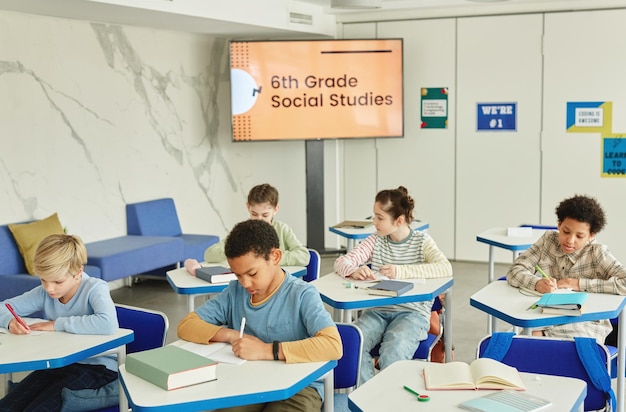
(388, 270)
(363, 273)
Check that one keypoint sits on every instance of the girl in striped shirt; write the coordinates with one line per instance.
(397, 252)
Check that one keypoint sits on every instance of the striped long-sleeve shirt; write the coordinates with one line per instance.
(593, 265)
(417, 256)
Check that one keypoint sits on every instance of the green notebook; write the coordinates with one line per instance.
(171, 367)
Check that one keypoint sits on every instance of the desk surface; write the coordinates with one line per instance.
(184, 283)
(385, 391)
(498, 237)
(20, 353)
(334, 292)
(236, 385)
(507, 303)
(362, 233)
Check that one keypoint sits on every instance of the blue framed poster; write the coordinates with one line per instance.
(614, 157)
(496, 117)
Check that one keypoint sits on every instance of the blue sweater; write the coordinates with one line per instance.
(91, 311)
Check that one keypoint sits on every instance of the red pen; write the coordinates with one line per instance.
(17, 318)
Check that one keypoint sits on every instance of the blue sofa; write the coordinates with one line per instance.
(154, 243)
(159, 218)
(14, 278)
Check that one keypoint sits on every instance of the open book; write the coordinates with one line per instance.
(482, 373)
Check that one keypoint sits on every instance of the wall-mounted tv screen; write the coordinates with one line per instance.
(316, 89)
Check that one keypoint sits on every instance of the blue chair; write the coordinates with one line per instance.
(426, 346)
(551, 356)
(313, 268)
(159, 218)
(348, 370)
(150, 327)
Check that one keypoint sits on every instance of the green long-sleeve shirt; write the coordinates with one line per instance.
(294, 253)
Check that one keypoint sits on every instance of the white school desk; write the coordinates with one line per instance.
(385, 391)
(184, 283)
(343, 300)
(236, 385)
(497, 237)
(505, 302)
(21, 353)
(353, 235)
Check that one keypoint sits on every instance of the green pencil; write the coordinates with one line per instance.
(542, 272)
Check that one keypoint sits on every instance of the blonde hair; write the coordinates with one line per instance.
(59, 256)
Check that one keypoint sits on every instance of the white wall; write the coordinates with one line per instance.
(583, 62)
(95, 116)
(468, 181)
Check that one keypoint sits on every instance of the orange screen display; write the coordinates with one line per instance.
(320, 89)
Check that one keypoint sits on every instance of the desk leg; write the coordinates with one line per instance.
(491, 321)
(191, 303)
(621, 362)
(5, 382)
(121, 359)
(447, 320)
(329, 392)
(350, 244)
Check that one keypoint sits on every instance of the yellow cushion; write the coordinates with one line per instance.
(29, 235)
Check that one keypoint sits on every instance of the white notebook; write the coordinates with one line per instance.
(506, 401)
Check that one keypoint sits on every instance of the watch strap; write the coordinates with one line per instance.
(275, 349)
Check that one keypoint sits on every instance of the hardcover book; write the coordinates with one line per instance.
(482, 373)
(171, 367)
(215, 274)
(390, 288)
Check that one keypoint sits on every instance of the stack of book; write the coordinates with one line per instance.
(569, 303)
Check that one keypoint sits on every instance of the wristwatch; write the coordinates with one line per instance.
(275, 349)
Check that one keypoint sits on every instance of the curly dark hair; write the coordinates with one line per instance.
(252, 235)
(584, 209)
(397, 202)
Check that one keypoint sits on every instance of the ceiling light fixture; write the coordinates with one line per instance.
(356, 4)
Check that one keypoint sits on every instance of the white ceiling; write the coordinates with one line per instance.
(270, 18)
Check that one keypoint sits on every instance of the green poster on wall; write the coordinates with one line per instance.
(434, 108)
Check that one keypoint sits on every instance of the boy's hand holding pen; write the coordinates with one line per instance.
(20, 327)
(547, 284)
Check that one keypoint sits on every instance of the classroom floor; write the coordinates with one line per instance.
(469, 325)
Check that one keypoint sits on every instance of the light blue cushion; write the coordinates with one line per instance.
(89, 399)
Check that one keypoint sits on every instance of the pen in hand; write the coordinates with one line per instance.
(542, 273)
(15, 315)
(546, 277)
(243, 325)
